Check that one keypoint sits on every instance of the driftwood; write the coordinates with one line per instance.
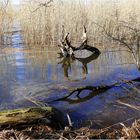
(19, 118)
(67, 49)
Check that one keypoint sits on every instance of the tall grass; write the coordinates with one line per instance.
(44, 26)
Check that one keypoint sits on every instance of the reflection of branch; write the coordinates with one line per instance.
(34, 101)
(66, 62)
(92, 91)
(66, 65)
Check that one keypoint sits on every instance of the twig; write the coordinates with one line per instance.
(69, 120)
(125, 129)
(128, 105)
(61, 136)
(34, 101)
(105, 129)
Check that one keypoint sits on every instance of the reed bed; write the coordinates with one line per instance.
(46, 25)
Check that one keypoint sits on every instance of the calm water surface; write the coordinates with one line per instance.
(40, 75)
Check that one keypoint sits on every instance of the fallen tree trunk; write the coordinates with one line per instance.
(19, 118)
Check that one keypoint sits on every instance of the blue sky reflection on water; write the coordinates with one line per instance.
(39, 73)
(30, 73)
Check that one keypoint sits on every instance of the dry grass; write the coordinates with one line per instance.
(44, 25)
(6, 21)
(45, 132)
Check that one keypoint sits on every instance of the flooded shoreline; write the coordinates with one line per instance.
(37, 73)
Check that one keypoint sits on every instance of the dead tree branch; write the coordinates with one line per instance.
(125, 33)
(41, 4)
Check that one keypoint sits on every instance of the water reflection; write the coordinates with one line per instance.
(36, 73)
(67, 61)
(83, 94)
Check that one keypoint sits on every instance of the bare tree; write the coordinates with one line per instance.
(127, 33)
(45, 4)
(4, 4)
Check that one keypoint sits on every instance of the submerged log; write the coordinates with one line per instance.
(18, 118)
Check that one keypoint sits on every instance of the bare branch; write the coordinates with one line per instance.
(67, 41)
(131, 28)
(36, 9)
(109, 34)
(84, 38)
(4, 4)
(45, 4)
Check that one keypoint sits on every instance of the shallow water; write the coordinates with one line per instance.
(27, 74)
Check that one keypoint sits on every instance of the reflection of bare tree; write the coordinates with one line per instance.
(66, 62)
(66, 65)
(91, 92)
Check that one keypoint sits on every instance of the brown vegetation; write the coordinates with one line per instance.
(107, 22)
(43, 23)
(6, 18)
(45, 132)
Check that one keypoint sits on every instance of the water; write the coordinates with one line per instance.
(38, 74)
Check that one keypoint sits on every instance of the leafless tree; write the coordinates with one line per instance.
(127, 33)
(41, 4)
(4, 4)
